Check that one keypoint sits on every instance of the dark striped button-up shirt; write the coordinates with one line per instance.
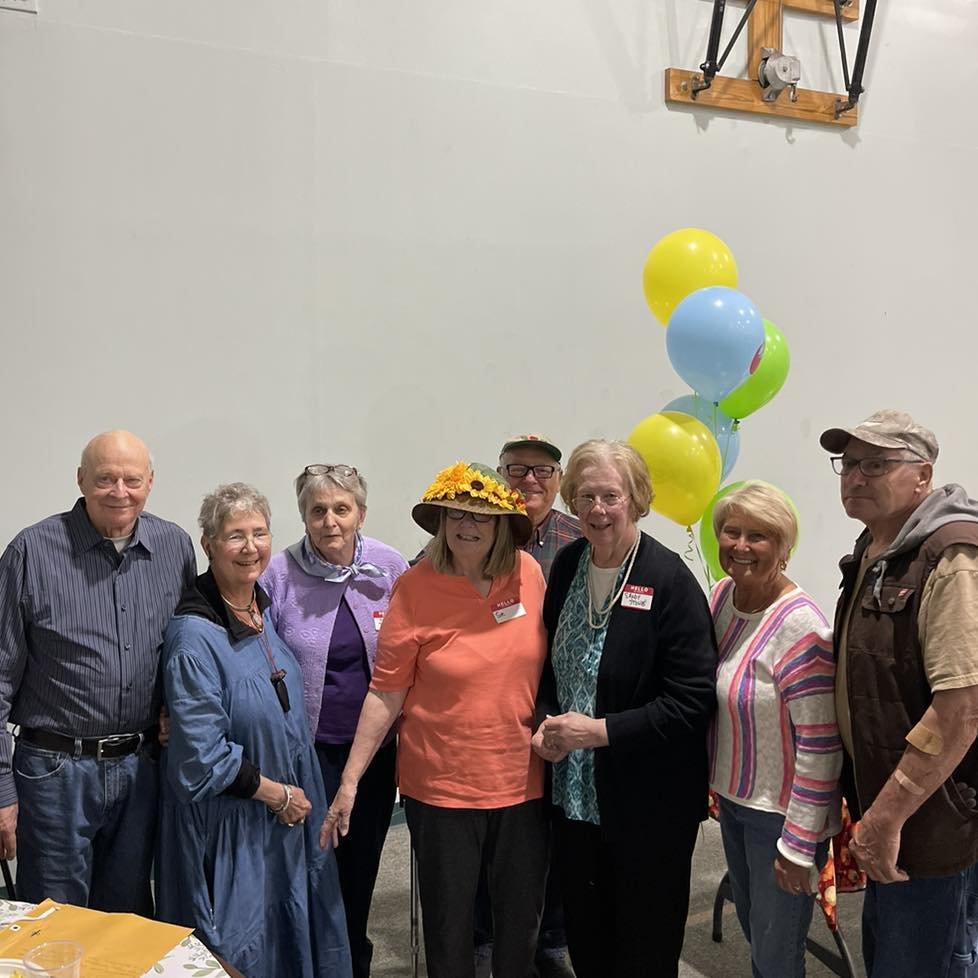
(556, 531)
(81, 627)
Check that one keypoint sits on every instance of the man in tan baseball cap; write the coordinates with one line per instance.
(906, 643)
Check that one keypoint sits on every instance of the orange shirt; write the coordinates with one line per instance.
(472, 685)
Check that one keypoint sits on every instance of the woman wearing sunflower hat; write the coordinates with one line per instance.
(460, 655)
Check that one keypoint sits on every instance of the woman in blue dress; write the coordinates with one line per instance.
(242, 795)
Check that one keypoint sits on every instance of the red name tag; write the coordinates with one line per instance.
(638, 597)
(507, 610)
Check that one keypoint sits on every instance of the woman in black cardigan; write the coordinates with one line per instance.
(625, 700)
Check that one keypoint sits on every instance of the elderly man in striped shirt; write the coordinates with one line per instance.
(84, 599)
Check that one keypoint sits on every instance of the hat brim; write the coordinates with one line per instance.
(427, 515)
(836, 439)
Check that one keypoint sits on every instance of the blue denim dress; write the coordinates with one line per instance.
(260, 894)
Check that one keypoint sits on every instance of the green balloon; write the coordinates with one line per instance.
(708, 539)
(765, 381)
(709, 547)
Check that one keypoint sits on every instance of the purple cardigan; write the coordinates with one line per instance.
(304, 610)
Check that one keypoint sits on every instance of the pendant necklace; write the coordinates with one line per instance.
(251, 610)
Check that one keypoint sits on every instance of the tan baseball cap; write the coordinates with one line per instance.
(532, 441)
(886, 429)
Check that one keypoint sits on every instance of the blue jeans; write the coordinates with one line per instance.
(775, 923)
(922, 927)
(86, 828)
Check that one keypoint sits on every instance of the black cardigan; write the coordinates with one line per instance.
(656, 690)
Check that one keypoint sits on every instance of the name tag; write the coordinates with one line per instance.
(638, 597)
(378, 620)
(508, 610)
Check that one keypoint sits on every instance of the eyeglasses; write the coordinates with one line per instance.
(238, 540)
(459, 514)
(871, 468)
(341, 470)
(586, 501)
(540, 472)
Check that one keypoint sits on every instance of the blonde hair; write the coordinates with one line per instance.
(500, 560)
(764, 505)
(626, 461)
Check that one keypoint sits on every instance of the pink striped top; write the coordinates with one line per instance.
(775, 743)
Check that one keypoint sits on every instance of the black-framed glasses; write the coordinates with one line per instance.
(459, 514)
(871, 468)
(540, 472)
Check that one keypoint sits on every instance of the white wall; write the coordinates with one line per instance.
(264, 234)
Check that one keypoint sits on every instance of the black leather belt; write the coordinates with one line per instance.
(118, 745)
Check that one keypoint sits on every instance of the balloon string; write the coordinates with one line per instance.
(693, 548)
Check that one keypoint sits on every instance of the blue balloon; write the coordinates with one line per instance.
(715, 340)
(724, 428)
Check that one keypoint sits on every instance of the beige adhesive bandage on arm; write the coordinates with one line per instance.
(905, 782)
(925, 740)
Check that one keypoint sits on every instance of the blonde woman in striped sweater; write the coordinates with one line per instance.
(775, 749)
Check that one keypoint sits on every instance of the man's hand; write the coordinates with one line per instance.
(337, 821)
(8, 831)
(163, 734)
(875, 845)
(573, 731)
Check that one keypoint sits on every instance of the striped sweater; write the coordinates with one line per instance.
(775, 744)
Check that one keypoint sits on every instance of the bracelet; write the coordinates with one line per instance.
(285, 804)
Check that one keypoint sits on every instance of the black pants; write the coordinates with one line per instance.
(450, 844)
(552, 934)
(358, 854)
(625, 903)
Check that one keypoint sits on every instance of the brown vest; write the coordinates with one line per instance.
(888, 695)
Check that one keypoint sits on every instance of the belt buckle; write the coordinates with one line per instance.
(112, 741)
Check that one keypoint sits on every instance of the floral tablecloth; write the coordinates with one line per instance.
(189, 959)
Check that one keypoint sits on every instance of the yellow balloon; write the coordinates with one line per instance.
(681, 263)
(684, 461)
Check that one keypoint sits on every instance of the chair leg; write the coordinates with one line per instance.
(723, 894)
(839, 964)
(415, 918)
(8, 881)
(840, 943)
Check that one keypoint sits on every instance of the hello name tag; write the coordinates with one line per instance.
(638, 597)
(508, 610)
(378, 620)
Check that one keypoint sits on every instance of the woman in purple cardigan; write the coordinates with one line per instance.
(329, 593)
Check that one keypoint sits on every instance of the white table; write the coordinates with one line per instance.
(189, 957)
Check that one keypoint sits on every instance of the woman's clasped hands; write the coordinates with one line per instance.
(557, 736)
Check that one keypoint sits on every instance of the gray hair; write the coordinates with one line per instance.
(227, 501)
(307, 485)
